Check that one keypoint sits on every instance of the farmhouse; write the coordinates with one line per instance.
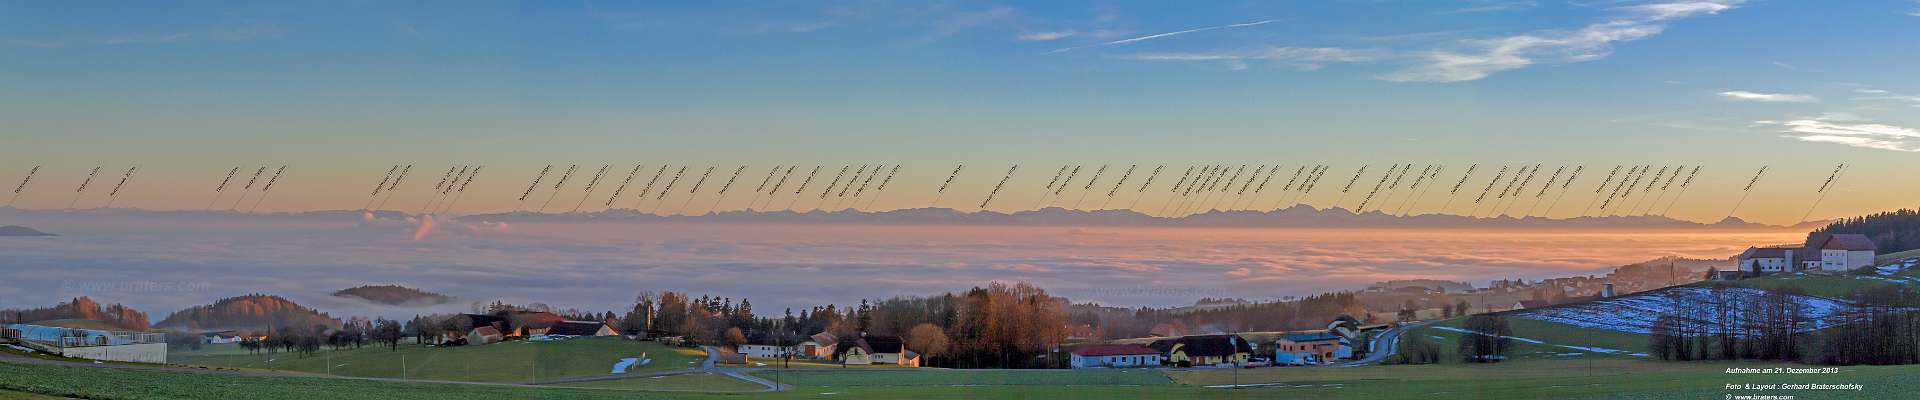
(1167, 330)
(818, 346)
(484, 335)
(1204, 350)
(1310, 348)
(464, 324)
(1114, 356)
(89, 343)
(1765, 260)
(1837, 252)
(1079, 332)
(582, 328)
(531, 323)
(876, 350)
(221, 337)
(1843, 251)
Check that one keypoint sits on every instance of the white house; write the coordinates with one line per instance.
(1766, 260)
(223, 337)
(1114, 356)
(876, 350)
(1826, 252)
(818, 346)
(766, 351)
(484, 335)
(1845, 251)
(1311, 348)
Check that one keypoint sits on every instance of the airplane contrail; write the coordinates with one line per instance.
(1164, 34)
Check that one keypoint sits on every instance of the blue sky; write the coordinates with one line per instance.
(343, 90)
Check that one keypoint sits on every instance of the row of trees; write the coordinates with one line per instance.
(1725, 323)
(1893, 231)
(997, 325)
(1410, 310)
(1487, 339)
(1881, 328)
(116, 315)
(1291, 314)
(306, 341)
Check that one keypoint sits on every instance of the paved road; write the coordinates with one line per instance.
(713, 355)
(1386, 343)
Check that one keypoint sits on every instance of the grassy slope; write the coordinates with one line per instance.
(1831, 286)
(951, 377)
(1520, 379)
(1890, 257)
(500, 362)
(12, 395)
(97, 383)
(1552, 333)
(698, 382)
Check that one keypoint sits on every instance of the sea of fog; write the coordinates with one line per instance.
(163, 264)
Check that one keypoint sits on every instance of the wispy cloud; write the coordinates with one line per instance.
(1592, 42)
(1137, 39)
(1743, 95)
(1871, 94)
(231, 32)
(147, 39)
(1849, 130)
(1045, 36)
(1494, 6)
(38, 44)
(1297, 57)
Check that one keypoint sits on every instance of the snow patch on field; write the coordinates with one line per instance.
(1534, 341)
(1636, 313)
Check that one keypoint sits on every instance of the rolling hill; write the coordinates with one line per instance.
(16, 230)
(394, 295)
(253, 311)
